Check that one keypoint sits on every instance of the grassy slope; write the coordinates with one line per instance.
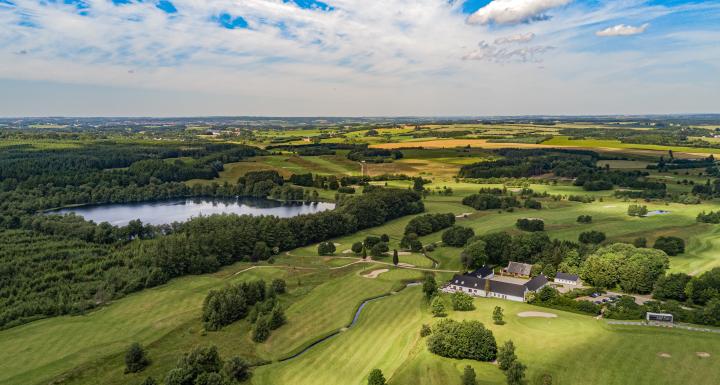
(599, 353)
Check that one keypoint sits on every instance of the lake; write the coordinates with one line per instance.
(180, 210)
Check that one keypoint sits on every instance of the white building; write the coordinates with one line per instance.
(567, 279)
(488, 287)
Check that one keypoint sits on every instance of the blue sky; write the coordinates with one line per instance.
(358, 57)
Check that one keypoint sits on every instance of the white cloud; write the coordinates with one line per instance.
(494, 53)
(514, 11)
(622, 30)
(519, 38)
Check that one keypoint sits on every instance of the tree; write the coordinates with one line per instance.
(418, 184)
(326, 248)
(385, 238)
(379, 249)
(640, 242)
(457, 236)
(237, 369)
(210, 379)
(279, 286)
(584, 219)
(277, 317)
(261, 251)
(429, 286)
(498, 315)
(515, 374)
(506, 355)
(135, 359)
(469, 377)
(261, 331)
(530, 224)
(474, 255)
(438, 308)
(425, 330)
(637, 211)
(670, 245)
(462, 301)
(376, 377)
(591, 237)
(357, 247)
(149, 381)
(364, 253)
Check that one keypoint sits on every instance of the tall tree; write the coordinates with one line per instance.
(376, 377)
(396, 259)
(469, 377)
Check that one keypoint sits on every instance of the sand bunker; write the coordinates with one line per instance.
(538, 314)
(348, 251)
(664, 355)
(405, 265)
(375, 273)
(463, 215)
(702, 354)
(404, 253)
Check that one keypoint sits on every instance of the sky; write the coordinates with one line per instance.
(358, 57)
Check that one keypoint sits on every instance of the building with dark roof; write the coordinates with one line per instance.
(483, 272)
(518, 269)
(567, 279)
(489, 287)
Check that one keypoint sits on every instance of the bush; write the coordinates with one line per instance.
(591, 237)
(357, 247)
(346, 190)
(135, 359)
(371, 241)
(261, 331)
(637, 211)
(457, 236)
(670, 245)
(584, 219)
(379, 249)
(237, 369)
(466, 339)
(469, 377)
(279, 286)
(326, 248)
(530, 224)
(425, 330)
(462, 301)
(376, 377)
(532, 204)
(438, 308)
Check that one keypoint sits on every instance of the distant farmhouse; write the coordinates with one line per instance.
(518, 269)
(567, 279)
(483, 283)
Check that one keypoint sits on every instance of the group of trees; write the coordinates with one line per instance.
(232, 303)
(457, 236)
(509, 363)
(204, 366)
(486, 201)
(635, 270)
(637, 210)
(530, 224)
(429, 223)
(690, 298)
(462, 340)
(61, 274)
(711, 217)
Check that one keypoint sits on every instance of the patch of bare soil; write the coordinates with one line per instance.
(664, 355)
(702, 354)
(374, 274)
(536, 314)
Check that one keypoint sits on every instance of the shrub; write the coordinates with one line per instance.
(469, 377)
(346, 190)
(279, 286)
(379, 249)
(237, 369)
(135, 359)
(326, 248)
(584, 219)
(376, 377)
(457, 236)
(591, 237)
(438, 308)
(670, 245)
(261, 331)
(462, 301)
(532, 204)
(466, 339)
(530, 224)
(425, 330)
(357, 247)
(637, 211)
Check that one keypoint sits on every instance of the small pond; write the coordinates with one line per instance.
(180, 210)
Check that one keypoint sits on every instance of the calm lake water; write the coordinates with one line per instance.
(179, 210)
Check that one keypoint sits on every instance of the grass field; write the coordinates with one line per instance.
(599, 353)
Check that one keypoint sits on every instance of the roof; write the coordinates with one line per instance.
(536, 283)
(482, 272)
(566, 276)
(500, 287)
(519, 268)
